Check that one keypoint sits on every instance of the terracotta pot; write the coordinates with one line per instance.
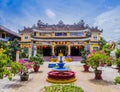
(36, 68)
(86, 68)
(118, 68)
(98, 75)
(24, 77)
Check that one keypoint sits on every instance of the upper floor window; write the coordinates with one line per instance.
(3, 35)
(45, 34)
(95, 37)
(26, 37)
(60, 34)
(77, 34)
(34, 33)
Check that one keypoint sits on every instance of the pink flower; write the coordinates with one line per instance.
(27, 64)
(102, 51)
(93, 51)
(111, 58)
(21, 61)
(88, 55)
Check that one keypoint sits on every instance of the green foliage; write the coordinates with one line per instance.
(23, 55)
(102, 42)
(84, 54)
(117, 62)
(38, 59)
(97, 58)
(107, 49)
(117, 53)
(4, 46)
(13, 47)
(4, 70)
(117, 80)
(83, 61)
(63, 88)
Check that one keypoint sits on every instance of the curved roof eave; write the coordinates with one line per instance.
(9, 31)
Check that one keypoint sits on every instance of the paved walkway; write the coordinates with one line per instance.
(85, 80)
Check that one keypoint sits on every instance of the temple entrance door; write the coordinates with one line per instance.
(76, 50)
(61, 49)
(47, 51)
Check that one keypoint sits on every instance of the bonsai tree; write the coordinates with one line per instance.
(84, 54)
(14, 46)
(95, 60)
(38, 59)
(5, 70)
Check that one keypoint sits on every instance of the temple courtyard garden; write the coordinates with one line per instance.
(85, 80)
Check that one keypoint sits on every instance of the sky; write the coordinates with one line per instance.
(15, 14)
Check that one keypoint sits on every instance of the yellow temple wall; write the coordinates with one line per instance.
(53, 34)
(37, 34)
(68, 34)
(97, 34)
(23, 37)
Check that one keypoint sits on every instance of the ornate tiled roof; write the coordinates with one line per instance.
(60, 26)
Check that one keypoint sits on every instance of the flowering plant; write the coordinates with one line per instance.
(97, 58)
(26, 64)
(84, 54)
(38, 60)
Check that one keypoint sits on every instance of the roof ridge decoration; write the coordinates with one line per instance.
(61, 26)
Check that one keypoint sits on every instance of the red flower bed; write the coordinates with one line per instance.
(61, 75)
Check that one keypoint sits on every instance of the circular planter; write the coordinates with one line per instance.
(61, 76)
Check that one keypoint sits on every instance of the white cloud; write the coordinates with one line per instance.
(50, 13)
(110, 23)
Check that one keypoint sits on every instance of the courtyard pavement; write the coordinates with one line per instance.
(86, 80)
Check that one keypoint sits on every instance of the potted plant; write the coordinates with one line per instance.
(24, 75)
(95, 60)
(26, 65)
(84, 54)
(38, 60)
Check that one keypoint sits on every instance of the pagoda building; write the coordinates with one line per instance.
(68, 39)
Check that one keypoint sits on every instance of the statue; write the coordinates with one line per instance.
(60, 54)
